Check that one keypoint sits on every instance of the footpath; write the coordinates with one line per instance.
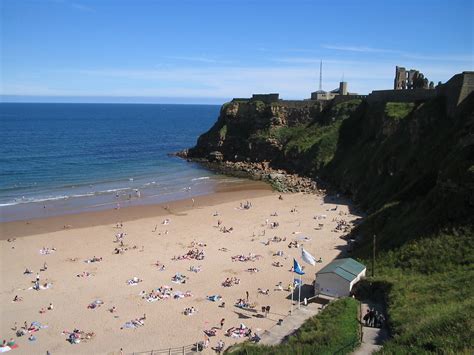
(372, 338)
(290, 324)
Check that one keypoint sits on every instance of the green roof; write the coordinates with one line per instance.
(346, 268)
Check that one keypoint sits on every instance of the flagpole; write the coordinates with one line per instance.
(299, 294)
(291, 289)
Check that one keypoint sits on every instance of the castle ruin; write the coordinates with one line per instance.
(410, 79)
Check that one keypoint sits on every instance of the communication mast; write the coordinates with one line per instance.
(321, 76)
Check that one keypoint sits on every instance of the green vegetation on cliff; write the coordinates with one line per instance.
(398, 110)
(335, 329)
(411, 167)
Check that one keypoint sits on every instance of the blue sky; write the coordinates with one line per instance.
(210, 51)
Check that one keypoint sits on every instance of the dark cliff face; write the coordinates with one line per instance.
(403, 155)
(411, 167)
(239, 133)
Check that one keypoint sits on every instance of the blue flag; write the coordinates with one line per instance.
(297, 268)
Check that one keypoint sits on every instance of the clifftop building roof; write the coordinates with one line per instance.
(347, 268)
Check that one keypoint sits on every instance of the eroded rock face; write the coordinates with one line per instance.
(240, 131)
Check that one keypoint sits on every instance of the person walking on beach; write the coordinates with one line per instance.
(247, 294)
(222, 322)
(267, 311)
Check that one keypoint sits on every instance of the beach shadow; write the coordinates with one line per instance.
(333, 198)
(242, 316)
(307, 291)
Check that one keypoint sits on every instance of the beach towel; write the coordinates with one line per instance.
(4, 349)
(129, 325)
(214, 298)
(42, 287)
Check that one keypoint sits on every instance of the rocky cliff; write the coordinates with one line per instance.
(239, 131)
(410, 165)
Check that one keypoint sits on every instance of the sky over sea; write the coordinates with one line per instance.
(210, 51)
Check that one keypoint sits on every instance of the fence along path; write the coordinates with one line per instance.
(183, 350)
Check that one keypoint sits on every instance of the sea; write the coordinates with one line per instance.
(69, 158)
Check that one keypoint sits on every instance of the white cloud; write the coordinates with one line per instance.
(193, 59)
(362, 49)
(292, 77)
(468, 58)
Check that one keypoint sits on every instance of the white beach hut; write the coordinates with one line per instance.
(338, 277)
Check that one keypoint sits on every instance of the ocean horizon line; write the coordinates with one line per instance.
(139, 100)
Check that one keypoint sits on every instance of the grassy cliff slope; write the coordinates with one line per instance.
(411, 167)
(334, 330)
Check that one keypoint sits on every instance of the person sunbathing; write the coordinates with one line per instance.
(230, 331)
(211, 332)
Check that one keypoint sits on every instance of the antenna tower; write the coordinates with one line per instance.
(321, 76)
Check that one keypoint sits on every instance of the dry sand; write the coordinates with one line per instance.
(93, 234)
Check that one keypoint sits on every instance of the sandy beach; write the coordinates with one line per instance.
(153, 236)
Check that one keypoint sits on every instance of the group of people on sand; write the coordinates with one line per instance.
(277, 239)
(38, 286)
(76, 336)
(245, 258)
(274, 225)
(179, 278)
(234, 332)
(49, 308)
(277, 264)
(159, 265)
(294, 244)
(135, 323)
(159, 293)
(191, 254)
(231, 281)
(244, 303)
(197, 244)
(189, 311)
(224, 229)
(238, 332)
(245, 206)
(342, 226)
(32, 329)
(94, 259)
(196, 269)
(162, 293)
(134, 281)
(47, 251)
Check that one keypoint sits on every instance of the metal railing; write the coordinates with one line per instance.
(182, 350)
